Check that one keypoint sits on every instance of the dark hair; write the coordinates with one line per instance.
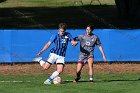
(63, 26)
(91, 26)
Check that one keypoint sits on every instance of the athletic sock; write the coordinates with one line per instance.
(41, 62)
(78, 75)
(54, 74)
(91, 77)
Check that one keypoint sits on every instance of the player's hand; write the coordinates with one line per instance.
(39, 53)
(74, 43)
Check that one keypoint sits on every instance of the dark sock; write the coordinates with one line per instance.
(78, 76)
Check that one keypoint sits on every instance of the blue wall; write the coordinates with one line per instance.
(23, 45)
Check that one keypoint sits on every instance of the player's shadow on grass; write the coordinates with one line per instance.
(119, 80)
(98, 81)
(71, 81)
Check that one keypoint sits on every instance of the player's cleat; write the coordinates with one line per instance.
(76, 80)
(90, 80)
(47, 82)
(38, 59)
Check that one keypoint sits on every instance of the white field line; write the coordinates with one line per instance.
(14, 81)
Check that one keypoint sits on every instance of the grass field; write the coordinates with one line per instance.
(44, 14)
(108, 78)
(104, 83)
(52, 3)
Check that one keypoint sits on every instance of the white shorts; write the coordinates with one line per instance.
(56, 58)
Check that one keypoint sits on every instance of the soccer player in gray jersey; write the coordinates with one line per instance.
(87, 44)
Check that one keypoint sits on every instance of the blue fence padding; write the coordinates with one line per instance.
(23, 45)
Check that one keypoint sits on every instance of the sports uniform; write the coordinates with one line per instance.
(87, 44)
(58, 52)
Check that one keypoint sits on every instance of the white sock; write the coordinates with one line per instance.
(54, 74)
(90, 78)
(42, 62)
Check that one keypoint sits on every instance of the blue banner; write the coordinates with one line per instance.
(23, 45)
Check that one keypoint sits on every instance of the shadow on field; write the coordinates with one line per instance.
(119, 80)
(70, 81)
(98, 81)
(1, 1)
(103, 16)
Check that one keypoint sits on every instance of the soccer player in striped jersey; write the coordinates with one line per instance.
(57, 53)
(87, 44)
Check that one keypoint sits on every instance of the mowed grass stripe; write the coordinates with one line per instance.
(113, 84)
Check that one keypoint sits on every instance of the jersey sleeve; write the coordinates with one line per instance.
(78, 38)
(98, 42)
(52, 38)
(70, 37)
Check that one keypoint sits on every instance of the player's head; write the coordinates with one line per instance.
(62, 28)
(89, 29)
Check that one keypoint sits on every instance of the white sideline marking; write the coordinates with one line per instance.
(14, 81)
(68, 80)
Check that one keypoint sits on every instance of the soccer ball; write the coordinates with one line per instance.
(57, 80)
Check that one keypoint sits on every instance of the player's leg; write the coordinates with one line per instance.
(78, 71)
(80, 64)
(46, 65)
(59, 70)
(55, 73)
(60, 66)
(90, 64)
(39, 60)
(50, 61)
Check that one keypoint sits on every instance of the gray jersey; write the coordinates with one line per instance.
(87, 43)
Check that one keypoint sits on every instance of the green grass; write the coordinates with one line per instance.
(50, 3)
(104, 83)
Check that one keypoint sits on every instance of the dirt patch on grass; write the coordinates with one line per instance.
(36, 69)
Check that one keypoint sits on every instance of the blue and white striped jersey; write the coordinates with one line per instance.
(61, 43)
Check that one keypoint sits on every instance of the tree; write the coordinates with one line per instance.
(2, 1)
(128, 8)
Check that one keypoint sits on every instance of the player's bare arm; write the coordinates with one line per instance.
(44, 48)
(102, 51)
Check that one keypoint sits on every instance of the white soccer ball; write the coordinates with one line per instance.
(57, 80)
